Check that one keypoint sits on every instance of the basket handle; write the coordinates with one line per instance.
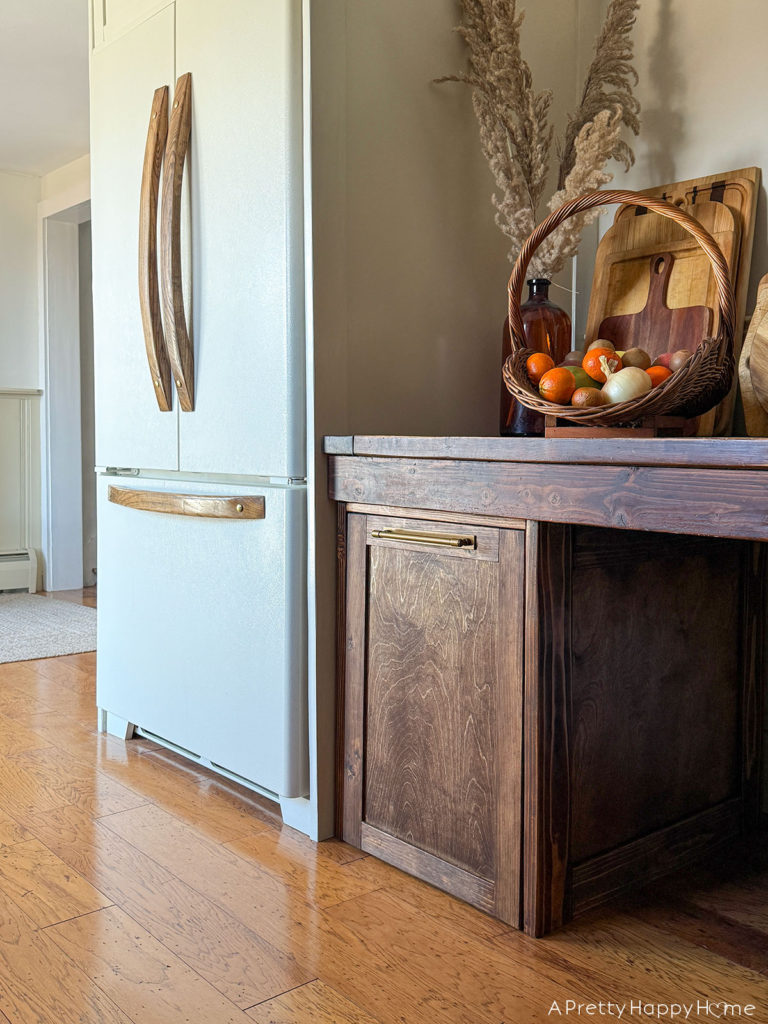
(613, 197)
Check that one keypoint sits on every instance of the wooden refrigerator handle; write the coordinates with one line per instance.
(180, 350)
(149, 293)
(205, 506)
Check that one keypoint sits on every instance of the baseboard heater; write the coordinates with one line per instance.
(18, 570)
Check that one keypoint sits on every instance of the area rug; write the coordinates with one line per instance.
(40, 627)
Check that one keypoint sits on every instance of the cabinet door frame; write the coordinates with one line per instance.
(500, 896)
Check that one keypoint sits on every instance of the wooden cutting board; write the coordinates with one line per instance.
(726, 205)
(656, 328)
(621, 280)
(753, 367)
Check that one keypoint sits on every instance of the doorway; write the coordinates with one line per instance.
(68, 457)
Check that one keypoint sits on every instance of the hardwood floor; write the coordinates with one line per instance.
(135, 887)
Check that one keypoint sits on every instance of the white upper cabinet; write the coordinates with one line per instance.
(245, 184)
(130, 429)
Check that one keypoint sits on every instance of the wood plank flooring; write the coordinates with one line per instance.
(136, 888)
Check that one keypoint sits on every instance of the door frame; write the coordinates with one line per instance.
(60, 435)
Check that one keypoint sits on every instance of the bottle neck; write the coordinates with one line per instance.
(538, 288)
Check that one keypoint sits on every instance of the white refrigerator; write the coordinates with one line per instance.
(201, 450)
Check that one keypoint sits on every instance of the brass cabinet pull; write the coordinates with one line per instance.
(206, 506)
(149, 293)
(180, 349)
(442, 540)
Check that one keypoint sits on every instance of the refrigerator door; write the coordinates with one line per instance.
(202, 623)
(130, 428)
(246, 236)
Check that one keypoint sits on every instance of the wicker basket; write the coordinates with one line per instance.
(695, 388)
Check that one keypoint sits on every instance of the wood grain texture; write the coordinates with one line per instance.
(430, 699)
(656, 328)
(709, 502)
(546, 724)
(149, 287)
(138, 973)
(43, 886)
(38, 982)
(180, 349)
(472, 888)
(236, 960)
(725, 453)
(753, 366)
(659, 853)
(207, 506)
(654, 677)
(248, 923)
(354, 680)
(315, 1002)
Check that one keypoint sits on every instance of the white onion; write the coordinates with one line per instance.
(624, 385)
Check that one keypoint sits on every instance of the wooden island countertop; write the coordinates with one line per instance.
(704, 486)
(551, 660)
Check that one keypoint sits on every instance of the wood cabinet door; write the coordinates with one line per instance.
(433, 703)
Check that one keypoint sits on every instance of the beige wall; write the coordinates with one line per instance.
(703, 87)
(19, 195)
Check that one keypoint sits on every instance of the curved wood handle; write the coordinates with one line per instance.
(149, 292)
(180, 350)
(205, 506)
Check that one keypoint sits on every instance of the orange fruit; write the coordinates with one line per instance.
(658, 375)
(537, 365)
(591, 362)
(557, 385)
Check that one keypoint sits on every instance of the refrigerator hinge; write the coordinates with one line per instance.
(120, 471)
(295, 481)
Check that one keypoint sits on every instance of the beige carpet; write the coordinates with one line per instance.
(41, 627)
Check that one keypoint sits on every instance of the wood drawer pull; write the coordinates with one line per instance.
(206, 506)
(442, 540)
(180, 350)
(149, 290)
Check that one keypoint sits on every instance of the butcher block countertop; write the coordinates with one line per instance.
(705, 486)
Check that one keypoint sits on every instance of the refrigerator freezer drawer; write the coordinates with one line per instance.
(202, 621)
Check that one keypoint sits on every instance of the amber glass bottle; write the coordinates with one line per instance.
(547, 329)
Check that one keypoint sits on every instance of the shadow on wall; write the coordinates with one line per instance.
(662, 117)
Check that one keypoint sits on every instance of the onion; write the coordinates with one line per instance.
(624, 385)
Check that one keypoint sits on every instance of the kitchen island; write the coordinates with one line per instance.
(551, 655)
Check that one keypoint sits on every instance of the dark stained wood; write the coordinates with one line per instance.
(546, 728)
(341, 661)
(480, 892)
(716, 452)
(655, 855)
(442, 722)
(654, 678)
(508, 726)
(709, 502)
(643, 672)
(657, 328)
(430, 746)
(354, 680)
(754, 653)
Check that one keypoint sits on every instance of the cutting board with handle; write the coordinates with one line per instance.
(657, 328)
(753, 367)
